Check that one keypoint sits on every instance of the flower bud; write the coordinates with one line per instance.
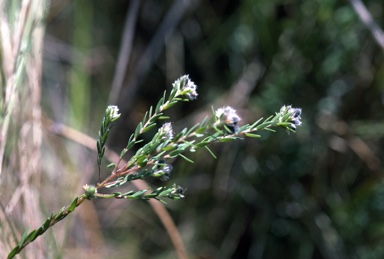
(90, 191)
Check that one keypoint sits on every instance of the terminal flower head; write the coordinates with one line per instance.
(228, 116)
(187, 87)
(177, 192)
(290, 115)
(113, 112)
(167, 130)
(162, 170)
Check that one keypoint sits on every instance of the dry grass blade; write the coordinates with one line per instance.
(21, 34)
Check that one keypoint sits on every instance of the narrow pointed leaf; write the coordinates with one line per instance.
(186, 158)
(252, 135)
(24, 236)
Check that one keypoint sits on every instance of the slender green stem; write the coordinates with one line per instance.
(28, 238)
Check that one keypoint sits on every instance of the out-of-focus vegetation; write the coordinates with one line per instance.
(317, 193)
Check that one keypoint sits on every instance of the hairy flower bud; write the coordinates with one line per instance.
(167, 130)
(187, 87)
(228, 116)
(90, 191)
(290, 115)
(113, 112)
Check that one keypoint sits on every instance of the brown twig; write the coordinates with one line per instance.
(125, 51)
(366, 18)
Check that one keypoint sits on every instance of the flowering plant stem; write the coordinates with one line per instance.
(151, 160)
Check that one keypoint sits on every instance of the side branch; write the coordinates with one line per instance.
(27, 238)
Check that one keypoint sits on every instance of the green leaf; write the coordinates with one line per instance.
(130, 140)
(73, 205)
(210, 151)
(98, 147)
(186, 158)
(283, 124)
(59, 214)
(202, 144)
(257, 122)
(111, 165)
(137, 194)
(32, 236)
(276, 118)
(150, 126)
(48, 221)
(151, 195)
(13, 252)
(162, 201)
(165, 192)
(155, 118)
(158, 156)
(141, 159)
(159, 105)
(138, 128)
(125, 150)
(252, 135)
(105, 136)
(186, 144)
(131, 162)
(24, 237)
(228, 130)
(169, 105)
(164, 117)
(127, 193)
(203, 122)
(264, 125)
(227, 139)
(177, 137)
(168, 148)
(175, 153)
(201, 129)
(145, 117)
(173, 93)
(246, 126)
(150, 112)
(130, 145)
(192, 129)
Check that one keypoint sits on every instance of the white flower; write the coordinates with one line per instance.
(228, 116)
(113, 112)
(167, 130)
(162, 170)
(178, 190)
(187, 87)
(294, 116)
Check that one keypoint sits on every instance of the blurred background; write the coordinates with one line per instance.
(317, 193)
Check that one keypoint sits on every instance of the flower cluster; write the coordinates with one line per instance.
(178, 191)
(113, 112)
(167, 130)
(228, 116)
(163, 170)
(290, 115)
(187, 87)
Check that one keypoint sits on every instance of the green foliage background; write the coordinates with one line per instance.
(317, 193)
